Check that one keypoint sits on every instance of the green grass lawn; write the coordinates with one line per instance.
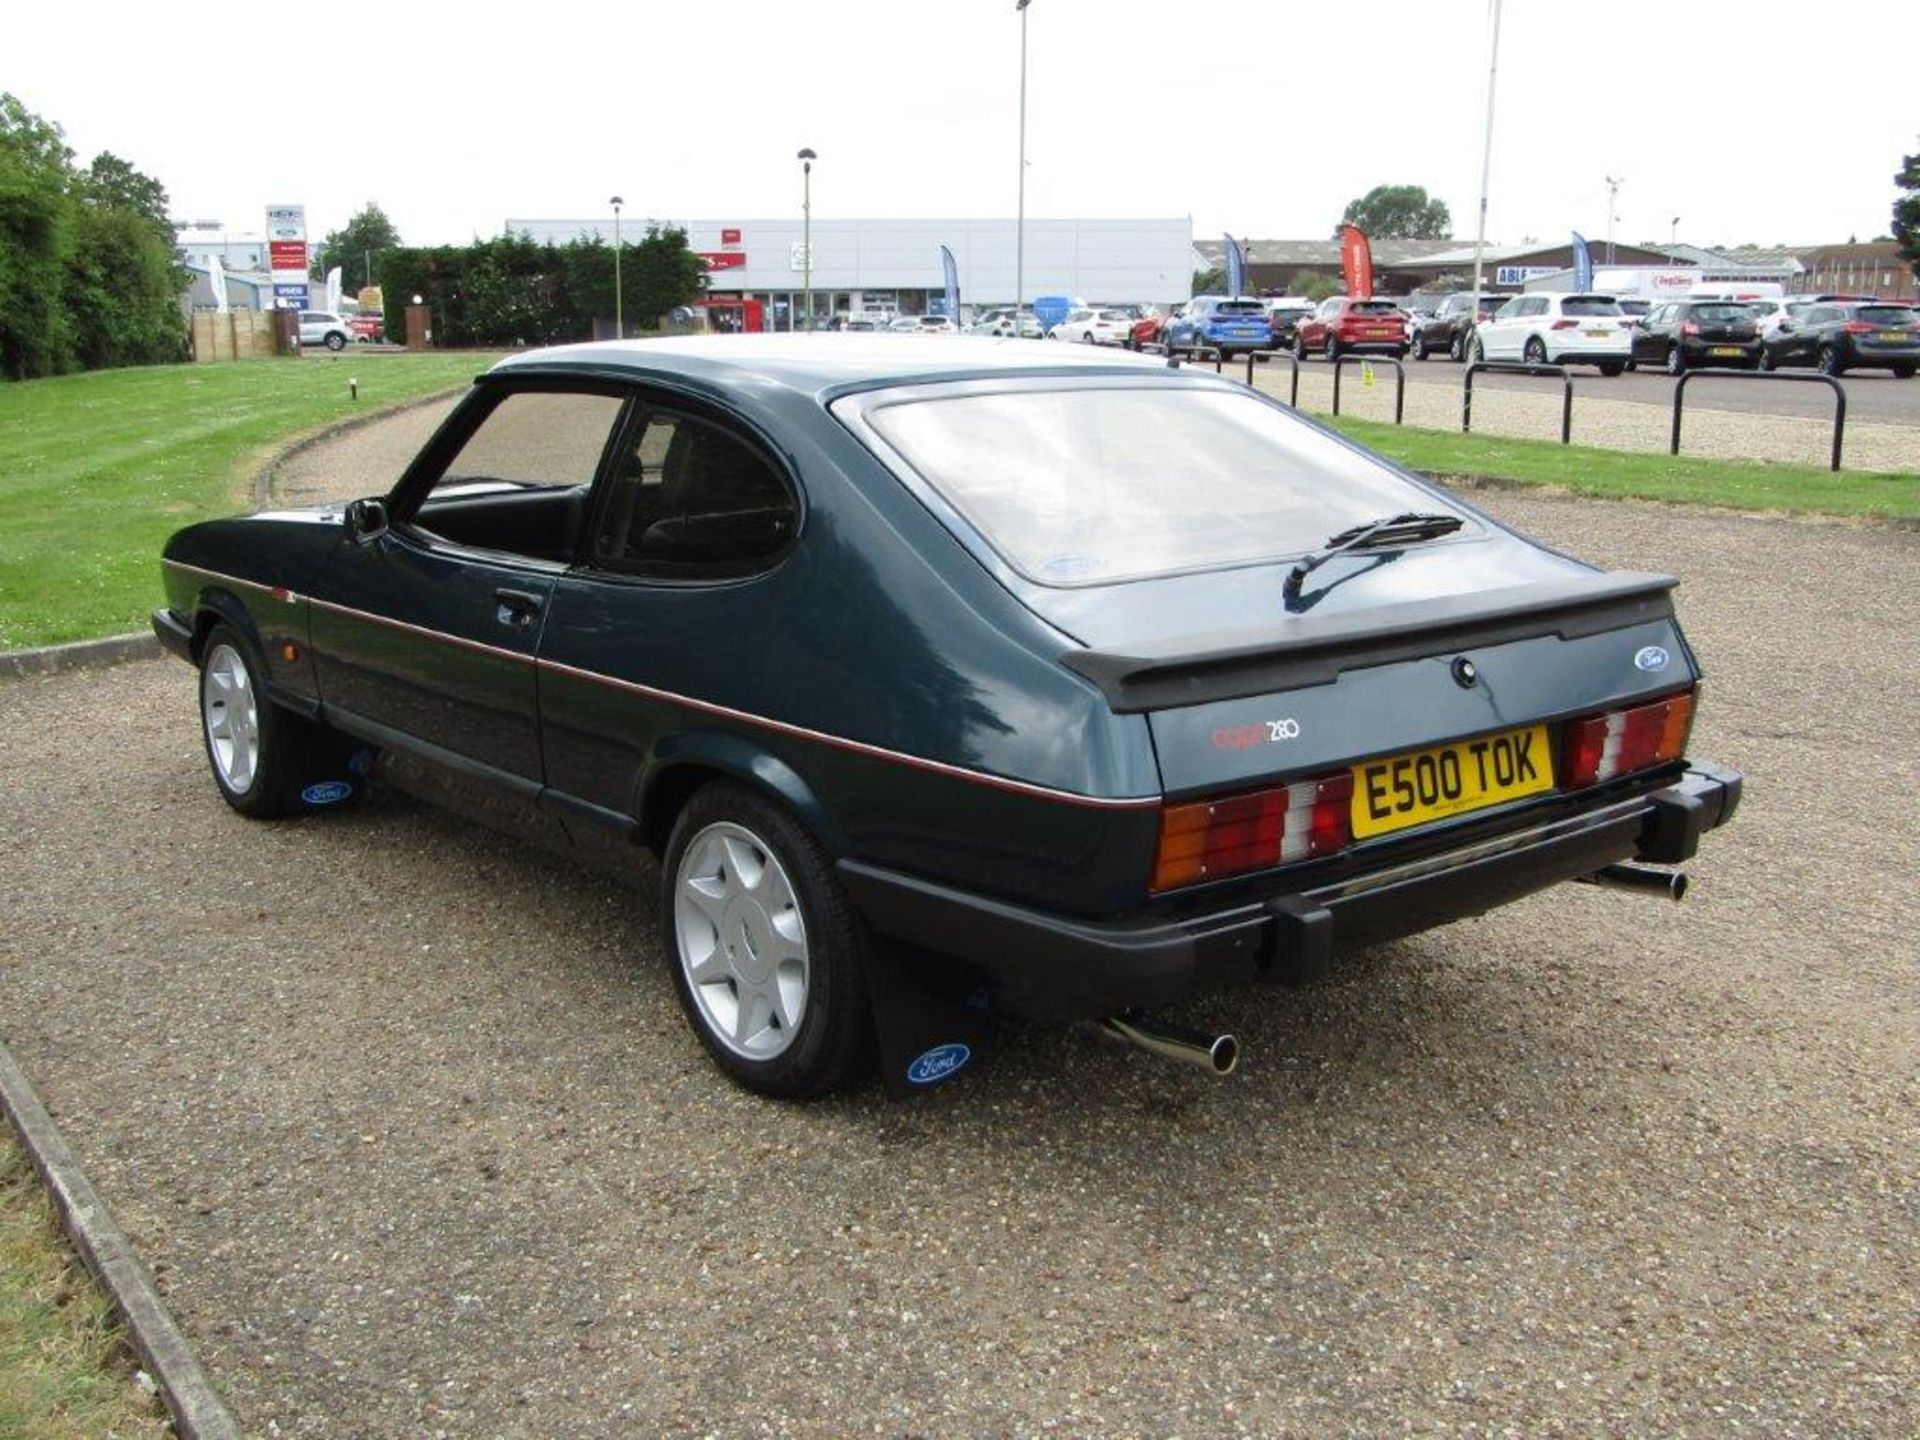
(1617, 474)
(97, 470)
(64, 1374)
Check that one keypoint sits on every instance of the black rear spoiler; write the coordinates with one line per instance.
(1289, 652)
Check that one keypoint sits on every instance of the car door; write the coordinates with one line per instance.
(424, 630)
(661, 621)
(1649, 342)
(1497, 335)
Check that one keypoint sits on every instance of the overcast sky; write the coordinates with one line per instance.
(1262, 117)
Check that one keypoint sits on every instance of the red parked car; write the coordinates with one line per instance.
(1343, 324)
(1148, 329)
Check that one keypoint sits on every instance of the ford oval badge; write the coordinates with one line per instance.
(327, 792)
(938, 1064)
(1650, 657)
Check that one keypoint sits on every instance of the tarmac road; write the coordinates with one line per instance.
(407, 1122)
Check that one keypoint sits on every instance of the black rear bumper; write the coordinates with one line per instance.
(1049, 966)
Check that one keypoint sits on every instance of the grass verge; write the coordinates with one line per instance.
(1620, 475)
(64, 1373)
(97, 470)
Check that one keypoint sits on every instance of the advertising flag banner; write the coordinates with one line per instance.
(1236, 267)
(333, 291)
(1582, 263)
(217, 282)
(1356, 262)
(952, 273)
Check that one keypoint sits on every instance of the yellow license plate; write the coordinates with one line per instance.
(1726, 350)
(1405, 790)
(1598, 334)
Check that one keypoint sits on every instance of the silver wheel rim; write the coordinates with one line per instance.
(232, 718)
(742, 942)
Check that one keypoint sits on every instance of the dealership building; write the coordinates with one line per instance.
(894, 265)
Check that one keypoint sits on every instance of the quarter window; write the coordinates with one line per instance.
(691, 500)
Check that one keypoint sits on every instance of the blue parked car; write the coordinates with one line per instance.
(1231, 326)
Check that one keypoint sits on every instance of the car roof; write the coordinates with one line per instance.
(813, 363)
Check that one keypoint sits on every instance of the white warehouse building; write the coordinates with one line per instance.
(894, 265)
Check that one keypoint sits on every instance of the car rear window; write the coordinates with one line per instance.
(1087, 486)
(1722, 314)
(1374, 307)
(1888, 314)
(1589, 305)
(1239, 307)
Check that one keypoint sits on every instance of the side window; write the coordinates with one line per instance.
(693, 501)
(520, 481)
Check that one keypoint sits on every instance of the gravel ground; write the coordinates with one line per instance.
(408, 1124)
(1433, 401)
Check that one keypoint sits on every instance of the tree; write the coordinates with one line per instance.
(353, 247)
(1399, 212)
(1906, 211)
(1211, 281)
(36, 236)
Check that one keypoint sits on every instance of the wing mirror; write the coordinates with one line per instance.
(366, 519)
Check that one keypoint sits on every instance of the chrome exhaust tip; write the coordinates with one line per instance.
(1217, 1054)
(1670, 883)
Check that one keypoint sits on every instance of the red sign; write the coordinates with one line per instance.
(1356, 261)
(723, 259)
(288, 255)
(729, 237)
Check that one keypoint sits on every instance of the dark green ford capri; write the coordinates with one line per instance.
(948, 679)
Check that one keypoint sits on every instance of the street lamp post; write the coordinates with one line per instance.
(1614, 182)
(1020, 220)
(619, 314)
(807, 157)
(1486, 162)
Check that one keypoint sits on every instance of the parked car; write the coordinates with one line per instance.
(1231, 325)
(1451, 323)
(809, 624)
(323, 327)
(1550, 328)
(1283, 318)
(1847, 335)
(368, 325)
(1343, 324)
(1003, 323)
(1687, 335)
(1767, 314)
(1633, 312)
(1150, 329)
(1094, 327)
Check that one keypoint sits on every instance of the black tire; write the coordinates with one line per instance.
(1457, 347)
(1610, 368)
(1676, 360)
(336, 341)
(833, 1042)
(1476, 351)
(1333, 347)
(1418, 349)
(1903, 372)
(1299, 347)
(1767, 362)
(1535, 351)
(1829, 362)
(291, 752)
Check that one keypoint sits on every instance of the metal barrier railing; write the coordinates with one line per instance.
(1509, 367)
(1340, 363)
(1293, 393)
(1747, 376)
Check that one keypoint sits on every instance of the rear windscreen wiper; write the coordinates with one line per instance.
(1371, 535)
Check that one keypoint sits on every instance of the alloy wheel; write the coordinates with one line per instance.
(742, 941)
(231, 714)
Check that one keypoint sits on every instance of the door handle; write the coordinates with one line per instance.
(517, 607)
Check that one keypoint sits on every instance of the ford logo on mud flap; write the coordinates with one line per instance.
(1650, 657)
(327, 792)
(938, 1063)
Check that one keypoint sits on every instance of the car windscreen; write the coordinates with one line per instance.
(1091, 485)
(1886, 315)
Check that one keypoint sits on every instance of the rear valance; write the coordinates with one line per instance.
(1294, 651)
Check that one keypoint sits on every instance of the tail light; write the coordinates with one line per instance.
(1689, 328)
(1565, 325)
(1858, 327)
(1210, 839)
(1623, 741)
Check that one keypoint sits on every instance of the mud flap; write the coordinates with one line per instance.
(336, 769)
(926, 1037)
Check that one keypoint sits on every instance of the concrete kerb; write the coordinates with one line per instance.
(119, 649)
(197, 1410)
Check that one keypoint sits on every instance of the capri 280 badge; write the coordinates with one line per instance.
(1262, 732)
(1651, 657)
(939, 1063)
